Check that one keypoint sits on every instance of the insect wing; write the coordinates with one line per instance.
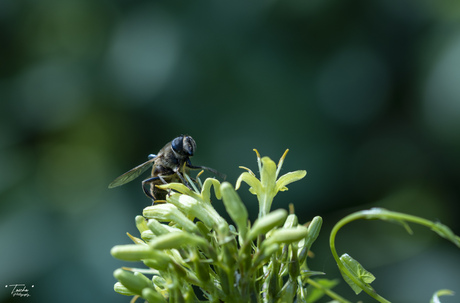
(132, 174)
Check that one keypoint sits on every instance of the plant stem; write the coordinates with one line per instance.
(327, 291)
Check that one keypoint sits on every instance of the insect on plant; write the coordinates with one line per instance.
(170, 165)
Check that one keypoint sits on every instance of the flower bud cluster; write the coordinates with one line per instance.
(193, 254)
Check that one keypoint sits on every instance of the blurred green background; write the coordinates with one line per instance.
(365, 94)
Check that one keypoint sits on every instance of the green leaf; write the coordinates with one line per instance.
(357, 271)
(446, 233)
(305, 274)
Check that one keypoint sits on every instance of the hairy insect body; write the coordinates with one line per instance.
(170, 165)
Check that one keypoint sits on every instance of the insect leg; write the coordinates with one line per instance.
(183, 179)
(215, 172)
(147, 192)
(164, 182)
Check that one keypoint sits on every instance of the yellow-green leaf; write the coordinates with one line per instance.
(288, 178)
(268, 173)
(251, 180)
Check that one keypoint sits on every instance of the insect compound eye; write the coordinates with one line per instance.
(176, 145)
(189, 146)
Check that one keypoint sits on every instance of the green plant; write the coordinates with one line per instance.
(194, 255)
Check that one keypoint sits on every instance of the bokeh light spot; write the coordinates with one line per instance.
(143, 53)
(353, 86)
(441, 99)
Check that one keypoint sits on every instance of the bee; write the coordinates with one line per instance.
(170, 165)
